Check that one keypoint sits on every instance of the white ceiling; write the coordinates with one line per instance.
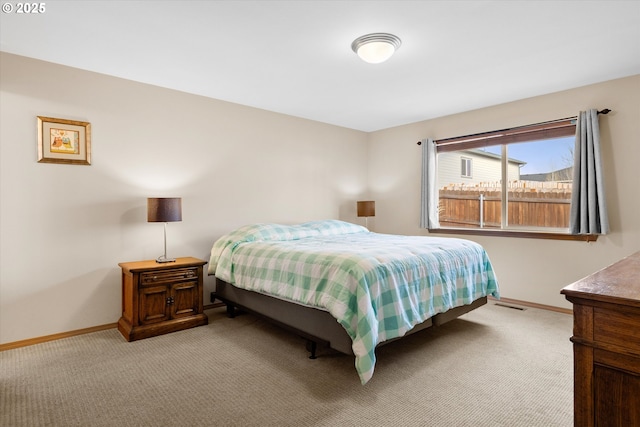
(295, 57)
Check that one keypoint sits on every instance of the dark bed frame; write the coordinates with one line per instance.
(317, 326)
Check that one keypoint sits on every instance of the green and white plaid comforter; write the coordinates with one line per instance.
(377, 286)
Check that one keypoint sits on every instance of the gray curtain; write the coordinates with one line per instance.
(429, 192)
(588, 213)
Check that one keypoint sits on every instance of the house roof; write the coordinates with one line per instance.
(295, 57)
(480, 152)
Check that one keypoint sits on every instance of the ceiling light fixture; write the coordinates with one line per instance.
(376, 47)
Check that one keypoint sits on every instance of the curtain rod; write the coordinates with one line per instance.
(605, 111)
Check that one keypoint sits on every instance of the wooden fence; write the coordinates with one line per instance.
(530, 204)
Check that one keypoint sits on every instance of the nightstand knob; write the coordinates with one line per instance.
(190, 273)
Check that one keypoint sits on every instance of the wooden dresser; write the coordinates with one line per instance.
(606, 345)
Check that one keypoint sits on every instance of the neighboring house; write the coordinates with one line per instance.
(473, 167)
(560, 175)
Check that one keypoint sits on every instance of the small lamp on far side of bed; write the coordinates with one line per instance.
(166, 209)
(366, 209)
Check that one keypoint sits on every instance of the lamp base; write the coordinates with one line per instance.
(162, 259)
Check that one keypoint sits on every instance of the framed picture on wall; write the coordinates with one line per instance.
(64, 141)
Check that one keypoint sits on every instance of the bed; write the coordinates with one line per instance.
(338, 284)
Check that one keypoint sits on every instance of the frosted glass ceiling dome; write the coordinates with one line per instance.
(376, 47)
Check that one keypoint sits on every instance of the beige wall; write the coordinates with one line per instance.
(64, 229)
(528, 269)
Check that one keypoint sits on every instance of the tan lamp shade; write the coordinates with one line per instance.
(367, 208)
(164, 209)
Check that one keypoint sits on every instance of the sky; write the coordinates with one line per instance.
(541, 156)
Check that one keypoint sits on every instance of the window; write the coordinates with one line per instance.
(521, 180)
(465, 167)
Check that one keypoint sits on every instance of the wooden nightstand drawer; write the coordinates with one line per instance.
(153, 278)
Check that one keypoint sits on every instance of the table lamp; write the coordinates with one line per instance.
(366, 209)
(164, 209)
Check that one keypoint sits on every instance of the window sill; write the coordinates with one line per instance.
(513, 233)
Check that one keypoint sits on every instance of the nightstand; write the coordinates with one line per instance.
(158, 298)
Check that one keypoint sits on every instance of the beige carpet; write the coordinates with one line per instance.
(495, 366)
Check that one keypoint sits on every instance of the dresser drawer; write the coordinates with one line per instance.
(620, 328)
(168, 276)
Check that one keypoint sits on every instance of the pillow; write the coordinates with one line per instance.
(331, 227)
(278, 232)
(253, 233)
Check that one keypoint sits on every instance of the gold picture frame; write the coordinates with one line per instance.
(64, 141)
